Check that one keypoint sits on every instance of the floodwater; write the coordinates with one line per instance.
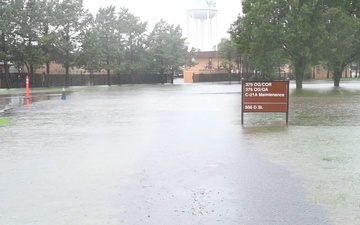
(320, 145)
(178, 154)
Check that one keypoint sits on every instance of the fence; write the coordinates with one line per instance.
(229, 77)
(17, 80)
(215, 77)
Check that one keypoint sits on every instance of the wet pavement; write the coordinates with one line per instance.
(145, 154)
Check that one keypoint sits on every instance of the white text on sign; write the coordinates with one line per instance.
(259, 84)
(251, 107)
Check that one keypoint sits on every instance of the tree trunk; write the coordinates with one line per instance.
(32, 76)
(6, 68)
(314, 72)
(91, 78)
(132, 77)
(119, 79)
(47, 74)
(162, 72)
(67, 76)
(172, 75)
(67, 53)
(337, 77)
(162, 78)
(298, 82)
(7, 75)
(336, 81)
(328, 74)
(338, 71)
(108, 77)
(299, 72)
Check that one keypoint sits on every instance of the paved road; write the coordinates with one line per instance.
(143, 155)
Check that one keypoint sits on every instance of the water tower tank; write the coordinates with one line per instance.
(202, 9)
(202, 30)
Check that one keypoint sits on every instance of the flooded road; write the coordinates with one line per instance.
(172, 154)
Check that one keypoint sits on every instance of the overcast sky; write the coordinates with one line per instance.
(174, 12)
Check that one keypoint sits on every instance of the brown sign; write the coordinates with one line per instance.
(265, 96)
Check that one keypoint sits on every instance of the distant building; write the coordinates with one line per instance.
(12, 69)
(206, 63)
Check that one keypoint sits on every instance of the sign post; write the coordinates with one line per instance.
(265, 96)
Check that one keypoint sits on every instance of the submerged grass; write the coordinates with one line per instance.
(320, 145)
(324, 93)
(4, 121)
(326, 158)
(22, 91)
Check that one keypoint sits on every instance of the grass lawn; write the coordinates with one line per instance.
(4, 121)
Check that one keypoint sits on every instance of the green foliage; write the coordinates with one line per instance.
(302, 33)
(4, 121)
(113, 41)
(37, 32)
(48, 30)
(8, 33)
(71, 21)
(228, 51)
(105, 23)
(273, 33)
(89, 52)
(131, 57)
(260, 38)
(341, 45)
(168, 49)
(27, 48)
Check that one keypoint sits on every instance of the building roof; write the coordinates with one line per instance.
(206, 54)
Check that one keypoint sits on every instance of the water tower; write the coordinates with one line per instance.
(202, 25)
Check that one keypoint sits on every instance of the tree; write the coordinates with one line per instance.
(48, 31)
(228, 51)
(341, 44)
(89, 52)
(132, 44)
(273, 32)
(260, 38)
(168, 49)
(6, 36)
(181, 55)
(35, 33)
(71, 21)
(27, 47)
(106, 28)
